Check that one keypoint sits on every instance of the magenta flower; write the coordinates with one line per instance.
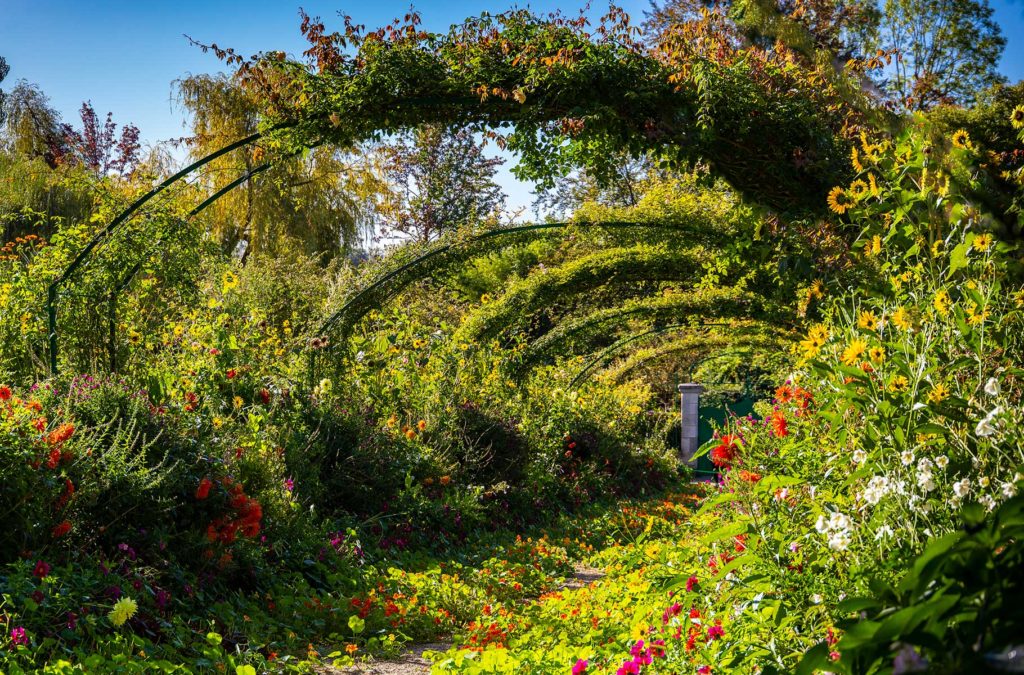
(628, 668)
(580, 667)
(704, 670)
(691, 583)
(18, 636)
(716, 632)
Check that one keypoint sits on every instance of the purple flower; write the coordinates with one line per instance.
(289, 484)
(580, 667)
(908, 660)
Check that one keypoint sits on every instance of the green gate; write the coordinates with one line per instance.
(714, 417)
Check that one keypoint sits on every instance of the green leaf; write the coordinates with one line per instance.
(356, 624)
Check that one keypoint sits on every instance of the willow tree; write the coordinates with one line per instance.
(318, 200)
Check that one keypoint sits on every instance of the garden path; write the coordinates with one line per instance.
(414, 663)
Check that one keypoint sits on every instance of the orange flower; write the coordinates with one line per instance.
(779, 424)
(5, 393)
(351, 649)
(445, 480)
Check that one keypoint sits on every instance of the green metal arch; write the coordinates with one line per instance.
(53, 290)
(611, 350)
(727, 303)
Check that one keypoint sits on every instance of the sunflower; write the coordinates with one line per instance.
(941, 303)
(876, 354)
(961, 139)
(982, 242)
(867, 320)
(858, 189)
(1017, 117)
(852, 353)
(938, 394)
(228, 280)
(874, 247)
(855, 159)
(901, 319)
(839, 201)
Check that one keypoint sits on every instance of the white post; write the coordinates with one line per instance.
(689, 404)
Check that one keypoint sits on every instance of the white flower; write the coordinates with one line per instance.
(817, 599)
(839, 541)
(926, 482)
(925, 465)
(883, 532)
(360, 355)
(1008, 489)
(942, 461)
(983, 481)
(876, 489)
(992, 387)
(838, 521)
(907, 457)
(988, 502)
(859, 456)
(986, 427)
(822, 525)
(962, 488)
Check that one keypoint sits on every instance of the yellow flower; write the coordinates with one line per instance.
(901, 319)
(228, 281)
(839, 201)
(867, 320)
(961, 139)
(123, 610)
(855, 159)
(237, 402)
(899, 383)
(418, 344)
(872, 185)
(874, 247)
(817, 289)
(877, 355)
(1017, 117)
(982, 242)
(851, 355)
(976, 315)
(941, 303)
(218, 422)
(858, 189)
(939, 393)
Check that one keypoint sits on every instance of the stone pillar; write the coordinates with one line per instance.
(689, 404)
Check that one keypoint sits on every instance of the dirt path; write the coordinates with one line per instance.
(413, 661)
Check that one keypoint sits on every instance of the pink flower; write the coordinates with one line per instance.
(691, 583)
(628, 668)
(580, 667)
(41, 569)
(704, 670)
(715, 632)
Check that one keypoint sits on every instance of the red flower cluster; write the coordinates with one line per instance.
(724, 453)
(246, 517)
(61, 529)
(203, 491)
(5, 393)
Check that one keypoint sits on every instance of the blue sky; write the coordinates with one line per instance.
(123, 56)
